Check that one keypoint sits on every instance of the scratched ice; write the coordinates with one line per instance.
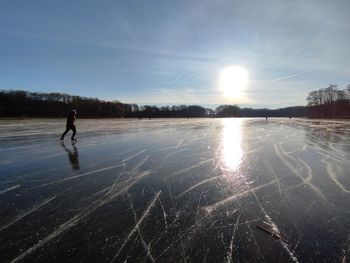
(175, 191)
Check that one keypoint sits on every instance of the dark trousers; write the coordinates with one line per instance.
(67, 130)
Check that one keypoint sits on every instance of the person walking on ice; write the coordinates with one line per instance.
(70, 125)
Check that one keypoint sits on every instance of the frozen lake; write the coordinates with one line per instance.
(175, 190)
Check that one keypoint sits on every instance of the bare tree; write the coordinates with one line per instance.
(312, 98)
(330, 94)
(341, 95)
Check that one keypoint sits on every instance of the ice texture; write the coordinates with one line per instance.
(175, 190)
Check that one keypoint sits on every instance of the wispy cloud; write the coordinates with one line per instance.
(293, 75)
(178, 99)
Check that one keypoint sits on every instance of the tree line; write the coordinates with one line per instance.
(329, 102)
(323, 103)
(19, 103)
(236, 111)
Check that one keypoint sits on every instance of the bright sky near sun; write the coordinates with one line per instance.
(250, 53)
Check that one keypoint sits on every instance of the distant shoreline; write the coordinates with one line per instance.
(25, 104)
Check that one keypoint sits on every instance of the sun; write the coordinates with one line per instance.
(233, 80)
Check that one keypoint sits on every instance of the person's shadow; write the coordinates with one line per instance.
(72, 156)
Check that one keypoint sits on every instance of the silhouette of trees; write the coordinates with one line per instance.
(235, 111)
(329, 102)
(20, 103)
(181, 111)
(228, 111)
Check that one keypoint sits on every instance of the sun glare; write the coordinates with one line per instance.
(232, 81)
(231, 143)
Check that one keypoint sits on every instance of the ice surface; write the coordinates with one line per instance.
(175, 190)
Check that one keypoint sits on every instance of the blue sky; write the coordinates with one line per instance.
(172, 52)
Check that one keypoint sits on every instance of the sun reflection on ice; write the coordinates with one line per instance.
(232, 152)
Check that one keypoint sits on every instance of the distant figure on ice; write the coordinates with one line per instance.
(266, 117)
(70, 125)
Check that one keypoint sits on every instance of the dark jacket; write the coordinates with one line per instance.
(71, 120)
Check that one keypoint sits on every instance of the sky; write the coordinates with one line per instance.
(166, 52)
